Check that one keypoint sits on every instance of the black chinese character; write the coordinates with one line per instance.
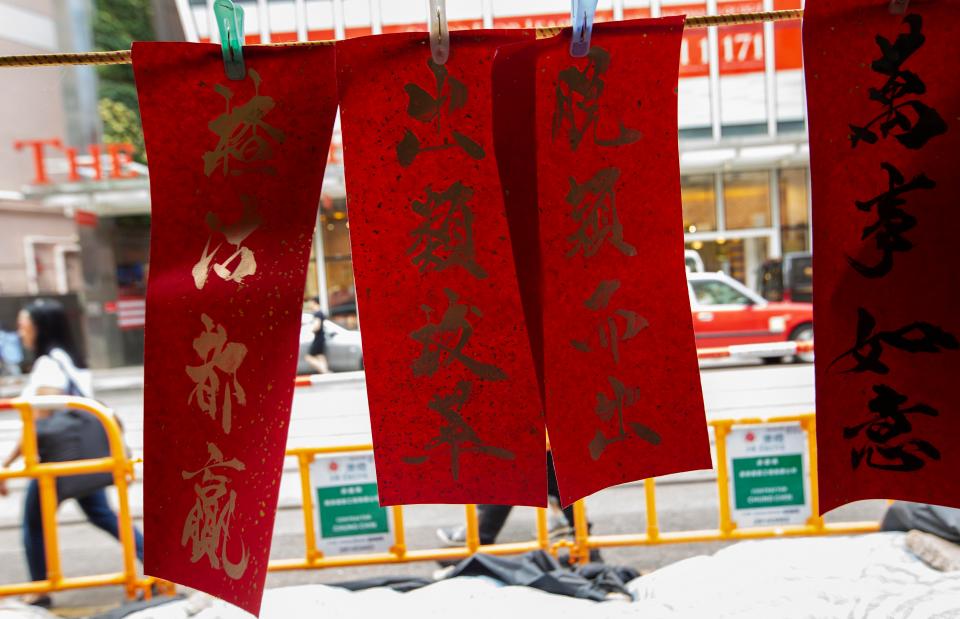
(892, 221)
(444, 341)
(595, 210)
(889, 423)
(457, 434)
(916, 337)
(451, 95)
(445, 238)
(623, 397)
(608, 328)
(578, 103)
(917, 122)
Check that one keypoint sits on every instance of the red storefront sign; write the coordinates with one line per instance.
(121, 155)
(85, 218)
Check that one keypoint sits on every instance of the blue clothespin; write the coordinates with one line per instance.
(899, 7)
(230, 22)
(581, 18)
(439, 32)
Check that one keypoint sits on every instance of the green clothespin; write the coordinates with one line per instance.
(230, 22)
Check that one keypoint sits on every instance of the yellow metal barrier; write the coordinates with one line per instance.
(313, 558)
(727, 529)
(583, 542)
(46, 474)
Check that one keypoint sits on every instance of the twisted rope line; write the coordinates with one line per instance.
(124, 56)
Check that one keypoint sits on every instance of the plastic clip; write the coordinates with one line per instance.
(230, 22)
(581, 18)
(439, 32)
(899, 7)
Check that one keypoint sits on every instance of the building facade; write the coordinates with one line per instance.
(743, 148)
(74, 213)
(39, 246)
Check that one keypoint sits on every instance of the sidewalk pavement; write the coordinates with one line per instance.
(104, 380)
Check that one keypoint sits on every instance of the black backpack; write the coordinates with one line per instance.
(73, 435)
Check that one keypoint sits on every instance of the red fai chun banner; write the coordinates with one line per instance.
(883, 100)
(453, 399)
(235, 173)
(622, 384)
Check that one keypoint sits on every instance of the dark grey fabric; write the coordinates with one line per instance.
(537, 569)
(401, 584)
(941, 521)
(541, 570)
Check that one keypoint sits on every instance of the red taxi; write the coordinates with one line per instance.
(727, 313)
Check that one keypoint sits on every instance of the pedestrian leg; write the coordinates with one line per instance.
(491, 519)
(33, 533)
(101, 515)
(319, 363)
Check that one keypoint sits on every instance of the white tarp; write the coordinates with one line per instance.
(862, 577)
(867, 576)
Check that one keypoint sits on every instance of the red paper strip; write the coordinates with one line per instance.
(235, 173)
(883, 103)
(623, 398)
(450, 382)
(515, 141)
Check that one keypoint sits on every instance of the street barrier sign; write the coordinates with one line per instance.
(768, 472)
(349, 517)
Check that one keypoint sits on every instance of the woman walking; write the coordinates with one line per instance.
(57, 370)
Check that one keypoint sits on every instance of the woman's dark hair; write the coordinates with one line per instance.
(53, 330)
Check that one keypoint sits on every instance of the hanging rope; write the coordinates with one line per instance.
(123, 56)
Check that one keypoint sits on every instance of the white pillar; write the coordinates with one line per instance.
(776, 246)
(263, 20)
(770, 71)
(713, 48)
(339, 20)
(721, 203)
(300, 15)
(321, 264)
(376, 18)
(212, 23)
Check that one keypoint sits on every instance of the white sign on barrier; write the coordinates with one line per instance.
(348, 508)
(767, 465)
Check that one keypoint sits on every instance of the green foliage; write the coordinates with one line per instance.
(121, 125)
(116, 24)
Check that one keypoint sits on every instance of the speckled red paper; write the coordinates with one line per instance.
(453, 398)
(884, 109)
(235, 174)
(622, 385)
